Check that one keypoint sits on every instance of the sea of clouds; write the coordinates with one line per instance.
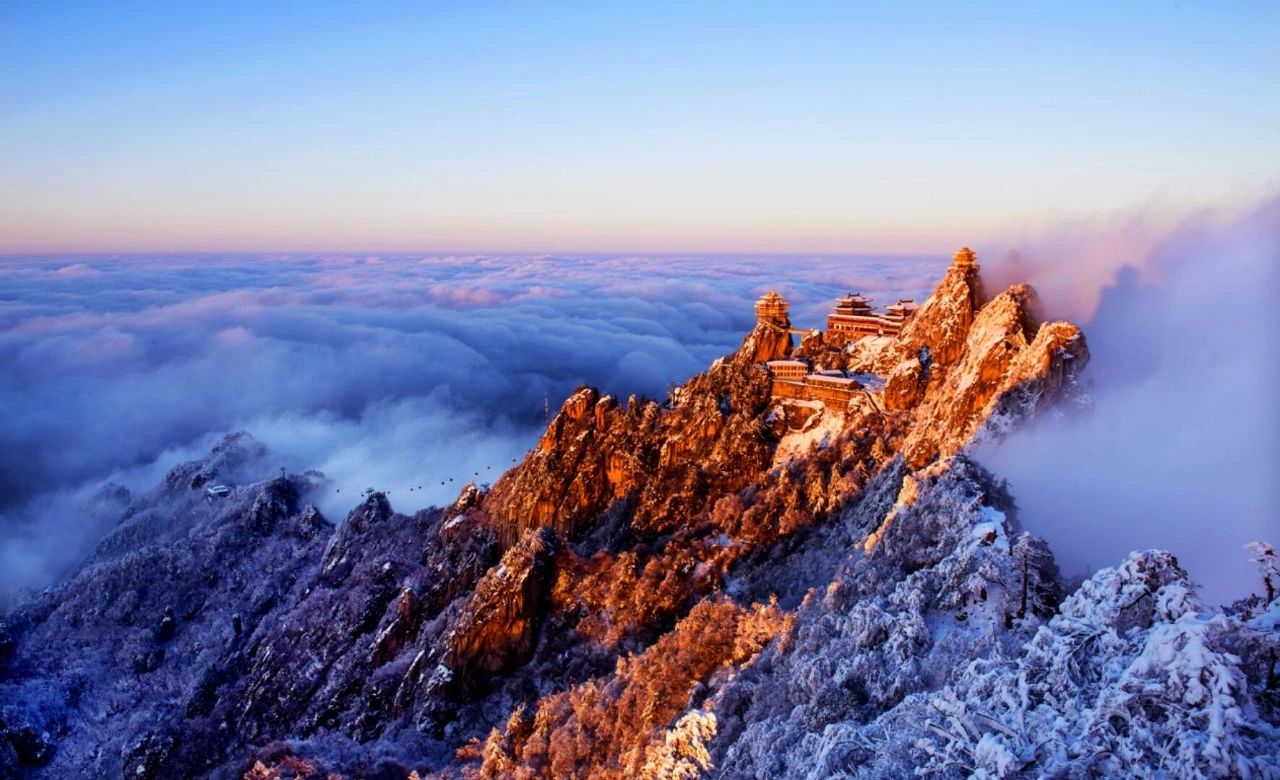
(414, 374)
(391, 372)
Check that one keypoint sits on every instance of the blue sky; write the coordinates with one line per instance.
(620, 127)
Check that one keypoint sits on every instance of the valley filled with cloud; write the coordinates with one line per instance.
(393, 372)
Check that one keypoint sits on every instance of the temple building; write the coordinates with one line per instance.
(771, 338)
(966, 259)
(852, 305)
(787, 369)
(898, 313)
(852, 317)
(795, 380)
(773, 308)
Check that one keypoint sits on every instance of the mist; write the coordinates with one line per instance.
(1181, 450)
(411, 374)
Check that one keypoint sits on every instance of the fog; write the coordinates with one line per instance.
(1182, 447)
(391, 372)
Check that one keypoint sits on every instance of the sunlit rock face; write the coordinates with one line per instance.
(1004, 360)
(718, 584)
(904, 387)
(768, 341)
(941, 324)
(656, 464)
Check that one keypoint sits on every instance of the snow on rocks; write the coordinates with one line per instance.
(1133, 678)
(921, 602)
(820, 428)
(991, 531)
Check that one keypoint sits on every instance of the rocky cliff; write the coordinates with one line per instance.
(716, 584)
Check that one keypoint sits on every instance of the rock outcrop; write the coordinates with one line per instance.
(771, 337)
(1006, 360)
(657, 464)
(905, 386)
(498, 624)
(941, 324)
(767, 341)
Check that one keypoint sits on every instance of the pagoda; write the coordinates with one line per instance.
(853, 317)
(965, 259)
(898, 313)
(852, 305)
(774, 309)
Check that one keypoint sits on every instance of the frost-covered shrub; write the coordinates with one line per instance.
(929, 653)
(1134, 678)
(683, 753)
(938, 583)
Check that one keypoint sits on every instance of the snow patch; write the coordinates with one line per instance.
(820, 430)
(872, 382)
(991, 529)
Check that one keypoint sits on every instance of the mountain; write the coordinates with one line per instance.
(735, 582)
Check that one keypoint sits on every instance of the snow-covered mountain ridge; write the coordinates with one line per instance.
(654, 592)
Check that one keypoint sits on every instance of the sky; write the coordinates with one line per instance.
(620, 127)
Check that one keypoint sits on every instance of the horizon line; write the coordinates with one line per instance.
(4, 254)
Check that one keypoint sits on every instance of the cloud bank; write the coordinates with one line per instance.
(382, 371)
(415, 374)
(1182, 448)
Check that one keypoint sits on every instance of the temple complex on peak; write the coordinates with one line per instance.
(852, 318)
